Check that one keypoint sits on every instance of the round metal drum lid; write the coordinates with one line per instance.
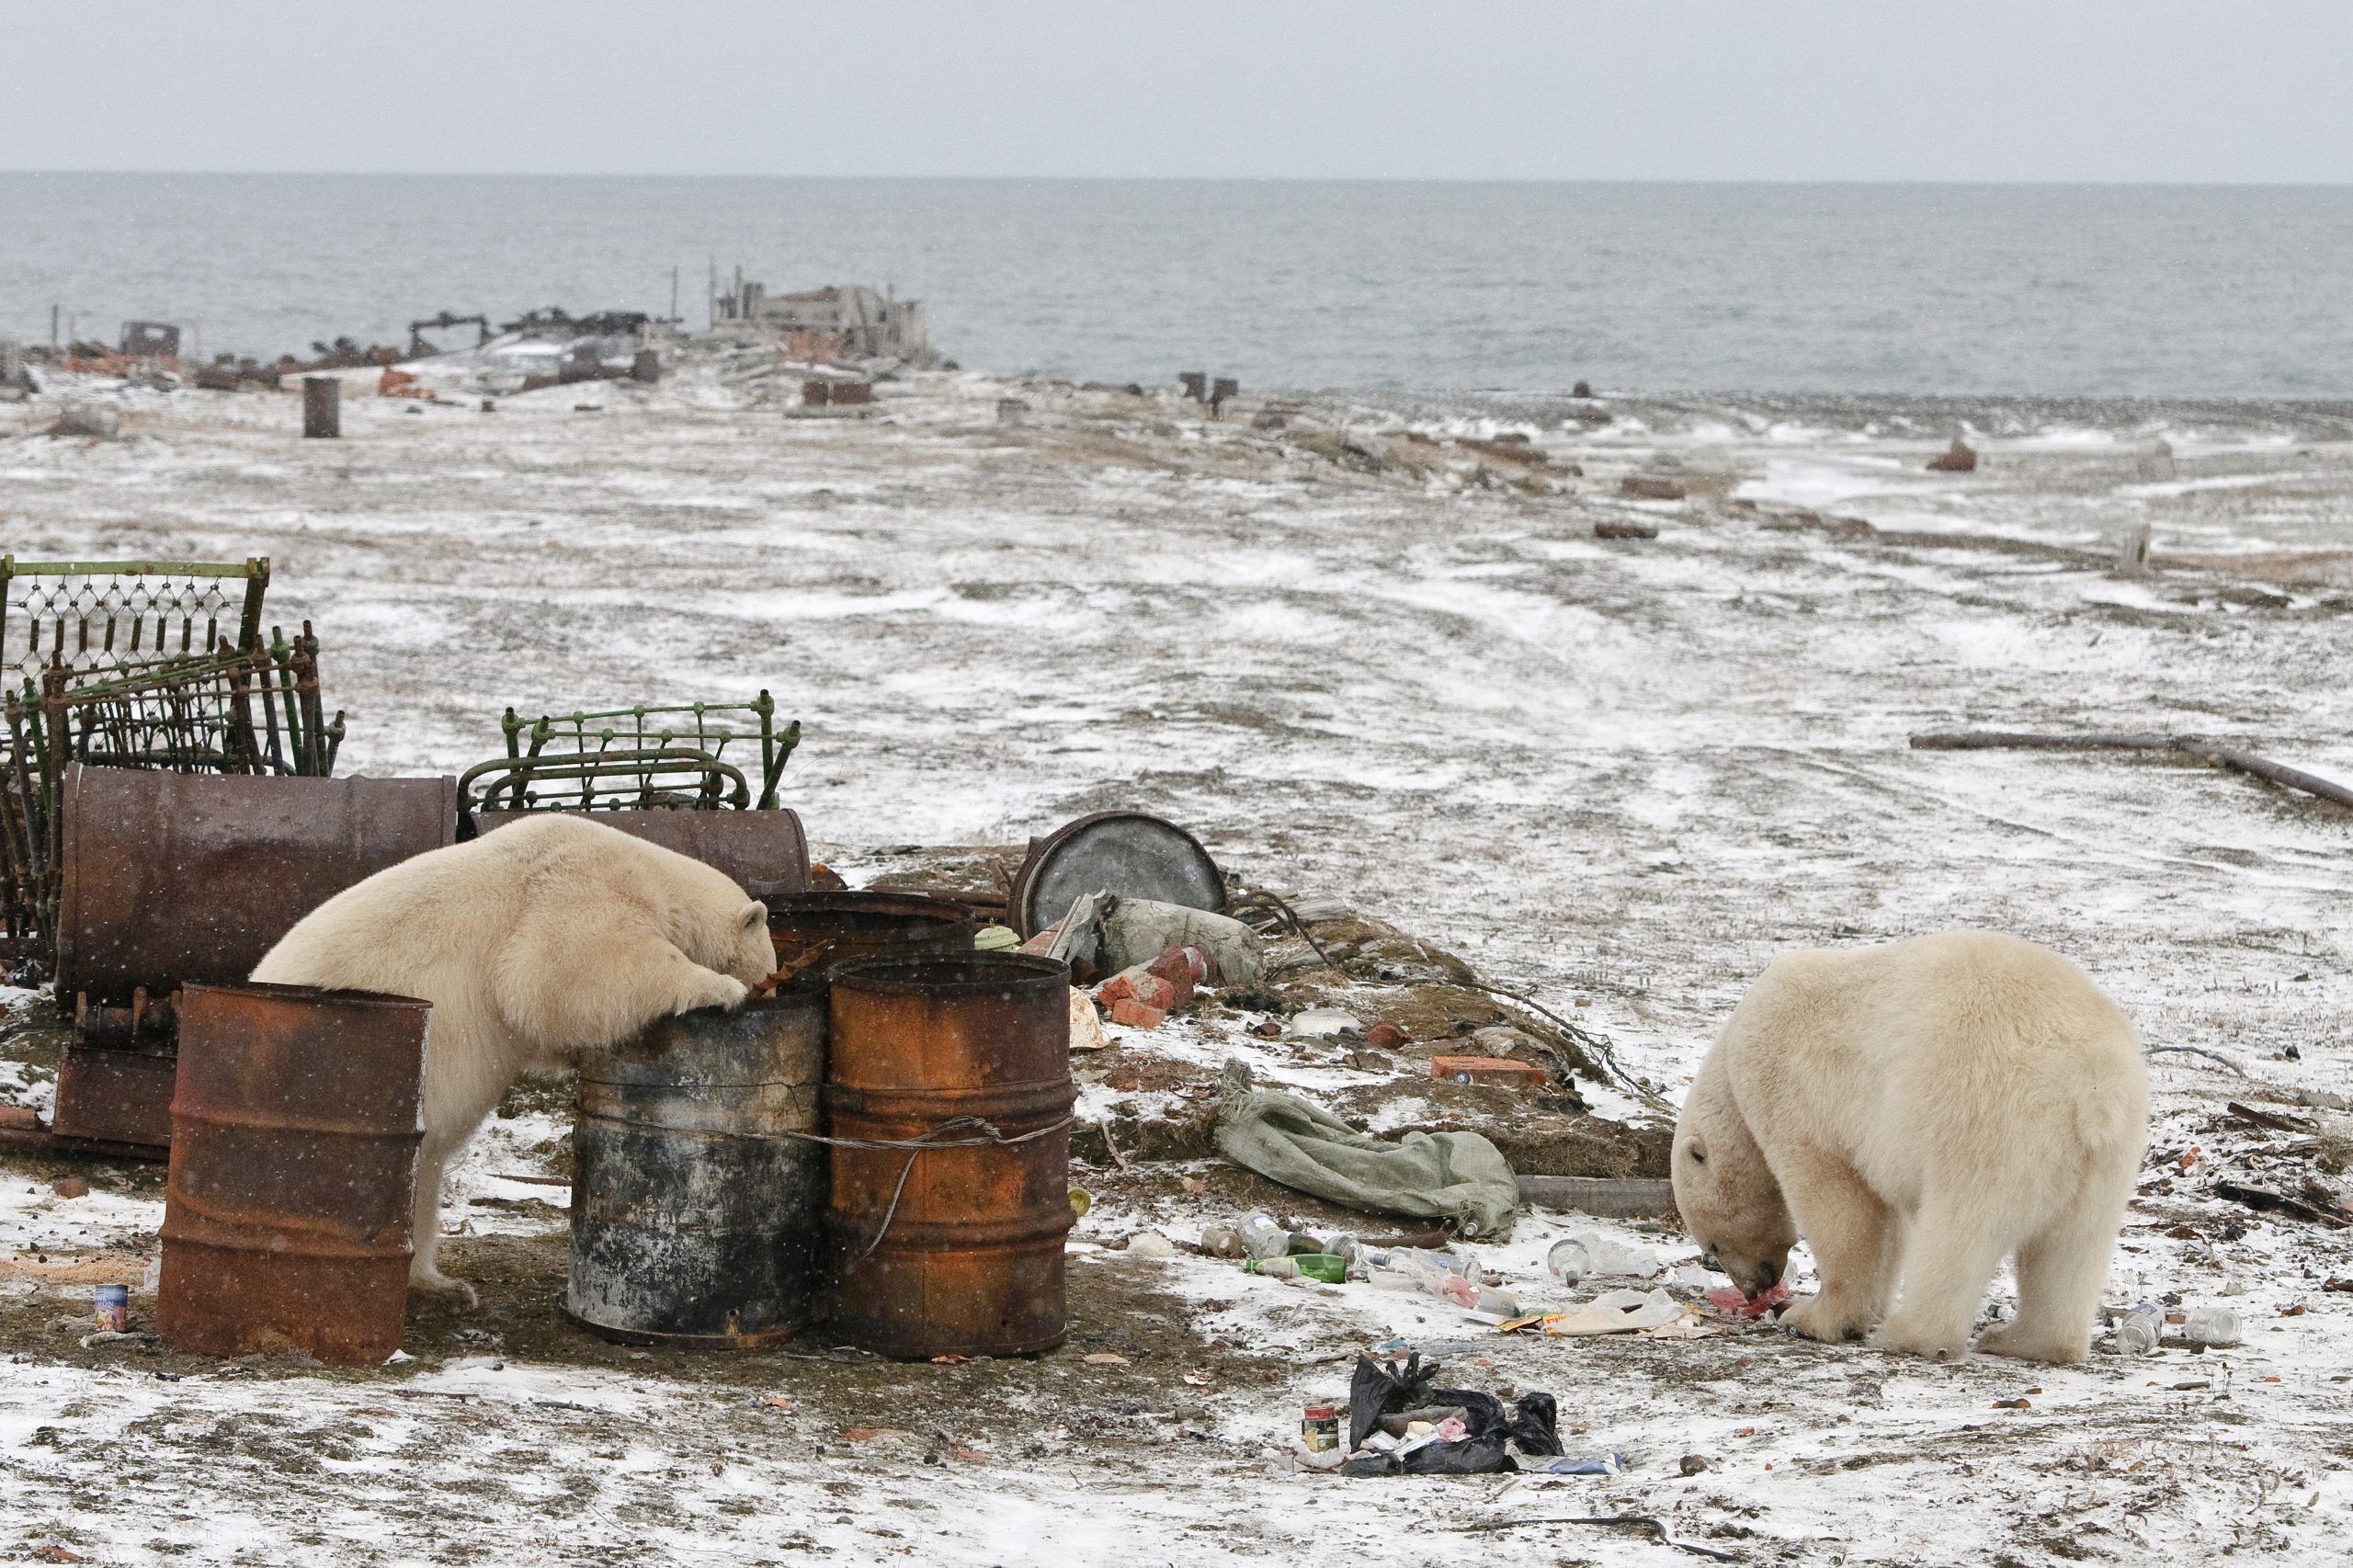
(1127, 853)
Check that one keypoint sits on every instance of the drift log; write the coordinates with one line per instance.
(2182, 746)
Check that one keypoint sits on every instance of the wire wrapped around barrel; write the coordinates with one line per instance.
(985, 1132)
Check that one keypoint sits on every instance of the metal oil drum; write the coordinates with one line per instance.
(168, 878)
(956, 1249)
(853, 925)
(696, 1218)
(761, 852)
(295, 1125)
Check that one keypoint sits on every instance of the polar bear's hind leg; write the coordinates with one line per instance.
(2060, 1273)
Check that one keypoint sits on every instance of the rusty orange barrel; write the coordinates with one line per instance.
(697, 1213)
(853, 925)
(954, 1250)
(295, 1125)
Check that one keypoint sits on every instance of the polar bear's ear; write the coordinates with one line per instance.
(754, 914)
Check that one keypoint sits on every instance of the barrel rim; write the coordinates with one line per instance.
(902, 974)
(908, 903)
(270, 991)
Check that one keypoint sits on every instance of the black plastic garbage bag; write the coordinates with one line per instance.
(1490, 1426)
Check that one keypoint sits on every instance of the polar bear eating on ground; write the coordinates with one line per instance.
(1917, 1112)
(551, 936)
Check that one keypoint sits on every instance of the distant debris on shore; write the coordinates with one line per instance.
(838, 324)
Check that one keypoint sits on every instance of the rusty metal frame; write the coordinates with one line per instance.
(639, 757)
(180, 715)
(109, 607)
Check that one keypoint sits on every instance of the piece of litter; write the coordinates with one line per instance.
(1105, 1359)
(1593, 1254)
(1619, 1311)
(397, 1357)
(775, 1402)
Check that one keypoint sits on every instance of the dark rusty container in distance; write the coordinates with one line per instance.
(970, 1256)
(853, 925)
(176, 877)
(294, 1135)
(696, 1219)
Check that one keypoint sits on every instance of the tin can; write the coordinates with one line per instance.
(113, 1309)
(1319, 1429)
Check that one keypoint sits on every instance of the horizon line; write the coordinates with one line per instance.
(2077, 183)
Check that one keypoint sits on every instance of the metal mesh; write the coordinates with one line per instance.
(100, 615)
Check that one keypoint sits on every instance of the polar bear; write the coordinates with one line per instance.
(1920, 1110)
(550, 936)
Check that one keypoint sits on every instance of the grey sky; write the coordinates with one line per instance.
(2162, 90)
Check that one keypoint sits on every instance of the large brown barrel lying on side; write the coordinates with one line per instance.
(959, 1252)
(695, 1217)
(295, 1129)
(169, 878)
(761, 852)
(854, 925)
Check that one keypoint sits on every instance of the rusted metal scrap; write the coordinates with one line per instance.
(634, 759)
(678, 777)
(168, 878)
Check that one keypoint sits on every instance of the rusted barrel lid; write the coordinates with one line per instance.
(962, 974)
(852, 926)
(1129, 853)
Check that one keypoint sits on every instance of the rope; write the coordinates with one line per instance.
(978, 1132)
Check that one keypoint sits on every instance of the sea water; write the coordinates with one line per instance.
(2062, 290)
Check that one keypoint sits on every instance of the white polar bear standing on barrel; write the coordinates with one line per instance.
(1920, 1112)
(550, 936)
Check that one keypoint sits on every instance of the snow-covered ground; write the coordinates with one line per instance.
(1623, 773)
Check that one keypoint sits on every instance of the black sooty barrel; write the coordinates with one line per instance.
(287, 1211)
(696, 1216)
(954, 1248)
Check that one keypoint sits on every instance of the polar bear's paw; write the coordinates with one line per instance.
(434, 1284)
(1916, 1339)
(1817, 1318)
(2033, 1342)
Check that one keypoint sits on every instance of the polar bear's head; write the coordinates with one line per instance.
(1725, 1192)
(716, 926)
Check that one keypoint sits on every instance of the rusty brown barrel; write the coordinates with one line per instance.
(169, 878)
(853, 925)
(295, 1128)
(761, 852)
(695, 1215)
(955, 1250)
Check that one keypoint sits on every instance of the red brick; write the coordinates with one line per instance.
(1135, 1015)
(1490, 1070)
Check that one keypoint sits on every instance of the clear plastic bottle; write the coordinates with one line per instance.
(1261, 1237)
(2216, 1326)
(2141, 1330)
